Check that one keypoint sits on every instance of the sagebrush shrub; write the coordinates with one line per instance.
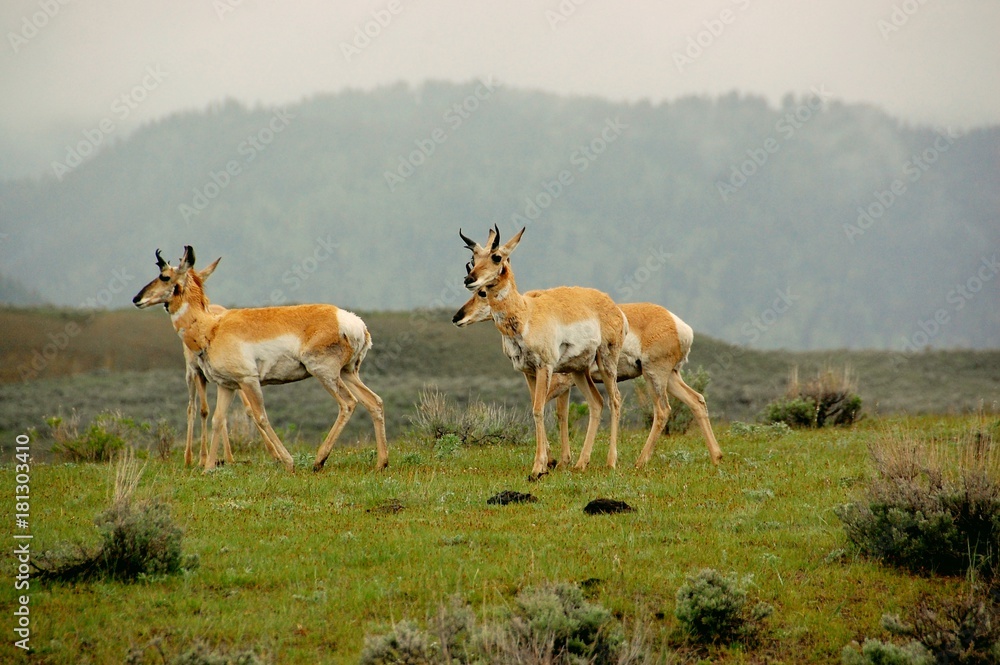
(109, 433)
(962, 631)
(405, 644)
(137, 539)
(794, 412)
(197, 653)
(438, 416)
(550, 625)
(558, 620)
(933, 506)
(876, 652)
(827, 399)
(713, 607)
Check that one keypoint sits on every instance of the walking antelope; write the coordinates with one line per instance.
(656, 346)
(560, 330)
(247, 348)
(197, 389)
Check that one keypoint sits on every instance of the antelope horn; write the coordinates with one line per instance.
(496, 238)
(160, 263)
(469, 242)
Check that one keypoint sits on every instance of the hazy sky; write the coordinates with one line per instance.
(66, 66)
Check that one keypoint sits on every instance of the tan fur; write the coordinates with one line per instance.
(243, 349)
(198, 395)
(662, 352)
(565, 329)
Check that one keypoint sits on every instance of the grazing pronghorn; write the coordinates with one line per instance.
(656, 347)
(243, 349)
(560, 330)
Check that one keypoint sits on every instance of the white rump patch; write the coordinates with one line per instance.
(352, 327)
(685, 335)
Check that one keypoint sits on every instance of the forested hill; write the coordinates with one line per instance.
(813, 225)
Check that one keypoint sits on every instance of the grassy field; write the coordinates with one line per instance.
(302, 566)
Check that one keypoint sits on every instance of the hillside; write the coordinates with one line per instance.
(814, 225)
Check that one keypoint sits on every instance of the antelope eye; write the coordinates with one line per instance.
(164, 278)
(482, 294)
(496, 258)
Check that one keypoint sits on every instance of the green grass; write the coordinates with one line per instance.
(301, 566)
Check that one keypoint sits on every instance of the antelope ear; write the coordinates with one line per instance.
(512, 243)
(187, 260)
(206, 272)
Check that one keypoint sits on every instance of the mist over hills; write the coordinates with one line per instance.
(814, 225)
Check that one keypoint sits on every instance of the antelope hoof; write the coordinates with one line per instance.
(318, 466)
(534, 477)
(553, 463)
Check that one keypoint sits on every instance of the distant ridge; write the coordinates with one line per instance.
(814, 225)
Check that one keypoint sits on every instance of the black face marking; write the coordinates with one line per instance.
(164, 278)
(496, 258)
(482, 294)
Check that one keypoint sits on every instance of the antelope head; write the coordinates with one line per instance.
(488, 262)
(171, 282)
(476, 309)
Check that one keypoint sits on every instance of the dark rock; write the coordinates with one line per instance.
(508, 496)
(607, 507)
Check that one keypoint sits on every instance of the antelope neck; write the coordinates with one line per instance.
(508, 306)
(191, 319)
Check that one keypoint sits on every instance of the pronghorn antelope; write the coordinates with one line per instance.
(243, 349)
(656, 346)
(560, 330)
(197, 391)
